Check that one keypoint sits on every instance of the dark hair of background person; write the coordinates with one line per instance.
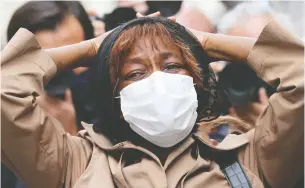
(231, 4)
(166, 8)
(117, 17)
(110, 123)
(39, 15)
(76, 8)
(124, 14)
(241, 84)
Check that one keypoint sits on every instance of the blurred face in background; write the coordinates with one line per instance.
(194, 18)
(68, 31)
(54, 23)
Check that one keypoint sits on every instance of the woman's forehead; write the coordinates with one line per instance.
(148, 46)
(145, 35)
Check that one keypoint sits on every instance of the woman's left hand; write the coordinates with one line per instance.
(202, 36)
(156, 14)
(98, 40)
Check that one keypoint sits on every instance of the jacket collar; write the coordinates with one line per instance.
(230, 142)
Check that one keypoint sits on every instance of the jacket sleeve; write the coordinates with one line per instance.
(34, 146)
(277, 57)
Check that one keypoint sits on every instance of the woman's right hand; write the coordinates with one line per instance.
(224, 47)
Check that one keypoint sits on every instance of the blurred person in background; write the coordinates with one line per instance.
(193, 17)
(112, 20)
(55, 24)
(249, 18)
(296, 12)
(247, 93)
(127, 10)
(201, 16)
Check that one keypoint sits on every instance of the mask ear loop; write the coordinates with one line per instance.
(112, 103)
(116, 84)
(114, 89)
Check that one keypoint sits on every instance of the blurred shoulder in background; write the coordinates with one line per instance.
(247, 93)
(249, 18)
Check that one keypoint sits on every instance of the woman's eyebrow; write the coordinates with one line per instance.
(166, 55)
(134, 60)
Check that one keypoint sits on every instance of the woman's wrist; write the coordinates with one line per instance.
(69, 56)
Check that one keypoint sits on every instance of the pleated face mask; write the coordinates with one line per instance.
(161, 108)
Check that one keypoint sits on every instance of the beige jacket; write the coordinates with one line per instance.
(37, 149)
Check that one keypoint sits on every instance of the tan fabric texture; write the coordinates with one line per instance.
(36, 148)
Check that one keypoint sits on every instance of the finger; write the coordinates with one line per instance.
(139, 15)
(98, 24)
(156, 14)
(256, 108)
(91, 12)
(262, 95)
(250, 119)
(79, 70)
(172, 18)
(68, 96)
(98, 33)
(214, 142)
(232, 112)
(99, 28)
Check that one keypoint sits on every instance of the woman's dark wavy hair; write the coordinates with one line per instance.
(210, 99)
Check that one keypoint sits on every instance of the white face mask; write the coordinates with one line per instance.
(161, 108)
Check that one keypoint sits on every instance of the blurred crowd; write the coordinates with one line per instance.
(59, 23)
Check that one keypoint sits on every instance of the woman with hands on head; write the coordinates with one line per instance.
(158, 101)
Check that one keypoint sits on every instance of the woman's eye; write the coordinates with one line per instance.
(172, 67)
(134, 75)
